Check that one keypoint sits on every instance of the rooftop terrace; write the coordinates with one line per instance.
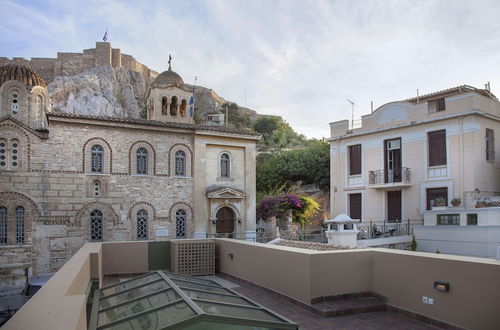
(295, 283)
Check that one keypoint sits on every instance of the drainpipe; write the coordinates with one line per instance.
(462, 185)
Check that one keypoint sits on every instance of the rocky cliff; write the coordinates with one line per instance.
(121, 92)
(102, 91)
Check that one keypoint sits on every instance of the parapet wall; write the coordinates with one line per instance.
(68, 64)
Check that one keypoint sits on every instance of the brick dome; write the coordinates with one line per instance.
(168, 77)
(20, 73)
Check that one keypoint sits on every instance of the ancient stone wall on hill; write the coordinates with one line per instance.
(69, 64)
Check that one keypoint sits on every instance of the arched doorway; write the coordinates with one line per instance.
(225, 222)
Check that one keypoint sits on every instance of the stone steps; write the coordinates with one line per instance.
(346, 304)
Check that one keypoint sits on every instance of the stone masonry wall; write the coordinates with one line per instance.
(62, 192)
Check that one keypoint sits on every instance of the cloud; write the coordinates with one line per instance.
(297, 59)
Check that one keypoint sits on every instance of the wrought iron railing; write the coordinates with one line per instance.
(309, 235)
(387, 229)
(402, 174)
(240, 236)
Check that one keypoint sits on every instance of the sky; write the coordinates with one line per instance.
(299, 59)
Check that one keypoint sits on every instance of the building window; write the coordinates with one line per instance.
(15, 104)
(96, 188)
(435, 195)
(96, 225)
(180, 163)
(180, 224)
(437, 148)
(19, 225)
(3, 225)
(472, 219)
(436, 105)
(490, 145)
(164, 106)
(355, 205)
(97, 159)
(173, 106)
(142, 224)
(14, 150)
(142, 161)
(9, 154)
(225, 166)
(183, 108)
(355, 159)
(448, 219)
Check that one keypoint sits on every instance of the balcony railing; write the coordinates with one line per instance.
(402, 175)
(383, 229)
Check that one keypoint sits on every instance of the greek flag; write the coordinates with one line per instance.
(105, 38)
(191, 105)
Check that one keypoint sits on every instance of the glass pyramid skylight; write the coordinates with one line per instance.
(163, 300)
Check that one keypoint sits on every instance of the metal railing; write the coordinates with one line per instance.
(382, 229)
(308, 235)
(402, 174)
(240, 236)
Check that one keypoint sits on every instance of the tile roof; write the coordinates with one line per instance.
(450, 91)
(310, 245)
(151, 123)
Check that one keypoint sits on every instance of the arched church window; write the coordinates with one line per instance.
(164, 105)
(180, 163)
(3, 225)
(96, 225)
(183, 108)
(142, 224)
(14, 103)
(173, 106)
(180, 224)
(225, 166)
(19, 225)
(97, 158)
(142, 161)
(96, 188)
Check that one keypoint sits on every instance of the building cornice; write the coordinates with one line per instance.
(415, 123)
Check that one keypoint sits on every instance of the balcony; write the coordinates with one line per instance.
(382, 179)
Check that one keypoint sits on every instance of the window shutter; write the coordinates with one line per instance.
(437, 148)
(355, 160)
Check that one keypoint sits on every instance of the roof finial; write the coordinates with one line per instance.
(169, 62)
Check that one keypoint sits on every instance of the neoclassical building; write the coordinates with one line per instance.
(66, 179)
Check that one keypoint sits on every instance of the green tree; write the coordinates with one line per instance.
(413, 243)
(310, 164)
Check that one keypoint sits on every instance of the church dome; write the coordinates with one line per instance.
(168, 77)
(20, 73)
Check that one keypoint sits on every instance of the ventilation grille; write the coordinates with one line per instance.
(193, 257)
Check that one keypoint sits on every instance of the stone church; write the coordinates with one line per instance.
(67, 179)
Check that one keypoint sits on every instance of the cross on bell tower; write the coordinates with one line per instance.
(169, 62)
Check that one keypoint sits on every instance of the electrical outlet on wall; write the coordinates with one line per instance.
(425, 299)
(431, 301)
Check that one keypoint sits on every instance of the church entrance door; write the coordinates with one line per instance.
(225, 222)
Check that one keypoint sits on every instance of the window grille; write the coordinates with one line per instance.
(96, 225)
(14, 153)
(97, 159)
(15, 104)
(97, 188)
(142, 161)
(180, 163)
(180, 224)
(224, 166)
(19, 225)
(3, 225)
(448, 219)
(3, 154)
(142, 224)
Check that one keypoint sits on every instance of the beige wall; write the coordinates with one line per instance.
(125, 258)
(402, 276)
(61, 302)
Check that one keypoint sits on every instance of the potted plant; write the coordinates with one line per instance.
(440, 201)
(456, 202)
